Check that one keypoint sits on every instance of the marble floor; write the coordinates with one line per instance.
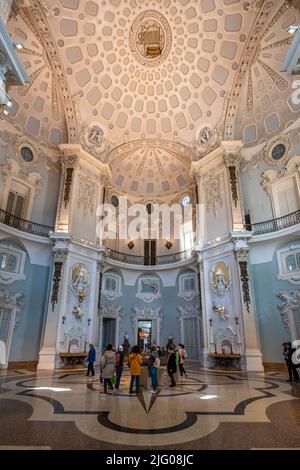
(206, 410)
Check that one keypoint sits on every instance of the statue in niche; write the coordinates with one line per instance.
(80, 280)
(220, 279)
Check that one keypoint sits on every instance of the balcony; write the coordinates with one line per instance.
(154, 261)
(24, 225)
(274, 225)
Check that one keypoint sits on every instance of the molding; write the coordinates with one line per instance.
(289, 304)
(7, 277)
(188, 295)
(109, 294)
(151, 281)
(14, 302)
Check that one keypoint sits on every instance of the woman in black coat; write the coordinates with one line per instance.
(171, 365)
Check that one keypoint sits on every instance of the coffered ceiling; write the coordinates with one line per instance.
(132, 70)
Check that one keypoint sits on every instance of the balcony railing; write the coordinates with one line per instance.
(24, 225)
(151, 261)
(275, 224)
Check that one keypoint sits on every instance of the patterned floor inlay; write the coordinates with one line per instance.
(208, 409)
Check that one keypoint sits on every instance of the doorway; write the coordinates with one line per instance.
(144, 334)
(108, 332)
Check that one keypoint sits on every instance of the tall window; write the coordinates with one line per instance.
(15, 204)
(149, 252)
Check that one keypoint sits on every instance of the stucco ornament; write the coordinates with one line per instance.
(78, 312)
(220, 282)
(80, 280)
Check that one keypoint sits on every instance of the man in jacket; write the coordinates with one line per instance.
(119, 366)
(171, 365)
(91, 359)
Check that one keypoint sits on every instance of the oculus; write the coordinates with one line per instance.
(114, 200)
(26, 154)
(278, 151)
(150, 38)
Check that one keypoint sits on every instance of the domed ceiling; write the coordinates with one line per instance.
(150, 167)
(114, 71)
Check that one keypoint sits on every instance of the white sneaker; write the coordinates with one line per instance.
(153, 391)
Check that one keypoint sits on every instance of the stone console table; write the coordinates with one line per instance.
(73, 360)
(225, 361)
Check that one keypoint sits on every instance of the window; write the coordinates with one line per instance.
(111, 285)
(114, 200)
(185, 200)
(278, 151)
(149, 252)
(188, 286)
(293, 262)
(12, 264)
(8, 262)
(15, 204)
(26, 154)
(288, 260)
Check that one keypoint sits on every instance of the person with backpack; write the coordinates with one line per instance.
(107, 364)
(135, 369)
(153, 364)
(119, 366)
(182, 357)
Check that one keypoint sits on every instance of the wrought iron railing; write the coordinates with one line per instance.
(24, 225)
(275, 224)
(151, 261)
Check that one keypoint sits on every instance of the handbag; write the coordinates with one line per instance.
(113, 379)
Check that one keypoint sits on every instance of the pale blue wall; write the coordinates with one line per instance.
(26, 337)
(169, 302)
(266, 289)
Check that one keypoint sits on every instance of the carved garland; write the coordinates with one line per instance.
(68, 184)
(233, 184)
(245, 284)
(56, 281)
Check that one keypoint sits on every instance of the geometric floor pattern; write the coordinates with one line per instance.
(206, 410)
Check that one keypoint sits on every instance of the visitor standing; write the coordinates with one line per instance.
(119, 366)
(171, 365)
(91, 359)
(287, 357)
(153, 363)
(108, 364)
(135, 359)
(182, 357)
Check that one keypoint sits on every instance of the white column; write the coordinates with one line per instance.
(232, 158)
(48, 352)
(253, 354)
(69, 163)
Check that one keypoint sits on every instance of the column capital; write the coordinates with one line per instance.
(68, 160)
(232, 159)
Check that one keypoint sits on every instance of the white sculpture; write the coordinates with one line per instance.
(78, 312)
